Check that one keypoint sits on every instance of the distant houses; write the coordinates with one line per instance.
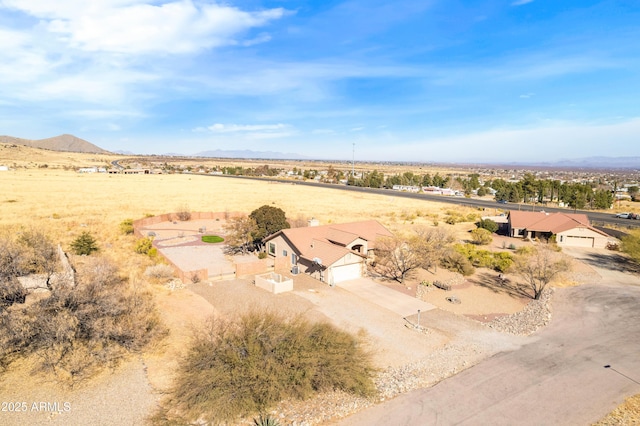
(92, 170)
(428, 190)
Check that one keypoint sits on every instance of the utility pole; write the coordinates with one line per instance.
(353, 162)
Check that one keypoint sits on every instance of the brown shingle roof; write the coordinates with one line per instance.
(328, 242)
(549, 222)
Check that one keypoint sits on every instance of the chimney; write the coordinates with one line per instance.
(313, 222)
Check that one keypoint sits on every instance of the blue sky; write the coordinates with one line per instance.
(405, 80)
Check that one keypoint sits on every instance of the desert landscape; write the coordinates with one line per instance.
(451, 338)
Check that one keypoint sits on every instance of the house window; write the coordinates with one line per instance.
(272, 249)
(293, 259)
(284, 253)
(561, 238)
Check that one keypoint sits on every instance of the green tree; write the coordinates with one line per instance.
(488, 224)
(269, 220)
(85, 244)
(602, 199)
(633, 192)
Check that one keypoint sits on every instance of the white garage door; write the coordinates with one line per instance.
(345, 272)
(580, 241)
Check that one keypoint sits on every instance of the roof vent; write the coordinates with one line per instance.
(313, 222)
(317, 261)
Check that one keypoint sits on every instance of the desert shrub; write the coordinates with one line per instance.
(183, 213)
(481, 236)
(457, 262)
(499, 261)
(40, 255)
(11, 291)
(266, 420)
(143, 245)
(161, 272)
(243, 367)
(77, 331)
(502, 261)
(153, 252)
(488, 224)
(471, 217)
(524, 250)
(262, 255)
(126, 226)
(11, 259)
(85, 244)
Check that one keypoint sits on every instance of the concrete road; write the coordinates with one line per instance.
(402, 304)
(558, 379)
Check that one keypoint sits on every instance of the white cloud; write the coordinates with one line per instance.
(527, 95)
(234, 128)
(142, 27)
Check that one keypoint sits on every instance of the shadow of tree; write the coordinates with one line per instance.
(505, 286)
(612, 262)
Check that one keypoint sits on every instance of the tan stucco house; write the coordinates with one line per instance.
(329, 253)
(571, 230)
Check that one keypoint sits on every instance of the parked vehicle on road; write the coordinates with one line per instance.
(623, 215)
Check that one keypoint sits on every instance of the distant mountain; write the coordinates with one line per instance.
(248, 154)
(66, 143)
(589, 163)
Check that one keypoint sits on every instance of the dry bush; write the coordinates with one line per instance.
(183, 213)
(299, 222)
(241, 368)
(160, 273)
(77, 331)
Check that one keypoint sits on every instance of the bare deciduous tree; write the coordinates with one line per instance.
(396, 257)
(432, 245)
(539, 268)
(399, 256)
(239, 234)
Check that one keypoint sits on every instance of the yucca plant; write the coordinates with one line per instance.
(266, 421)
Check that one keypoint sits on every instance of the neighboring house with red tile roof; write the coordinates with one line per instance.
(329, 253)
(572, 230)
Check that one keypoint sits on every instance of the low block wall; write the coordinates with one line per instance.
(171, 217)
(187, 276)
(274, 283)
(259, 266)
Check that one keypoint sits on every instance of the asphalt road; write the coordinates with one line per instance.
(558, 379)
(594, 217)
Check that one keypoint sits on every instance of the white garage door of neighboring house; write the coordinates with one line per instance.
(345, 273)
(579, 241)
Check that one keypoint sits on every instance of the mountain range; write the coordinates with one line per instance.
(70, 143)
(66, 143)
